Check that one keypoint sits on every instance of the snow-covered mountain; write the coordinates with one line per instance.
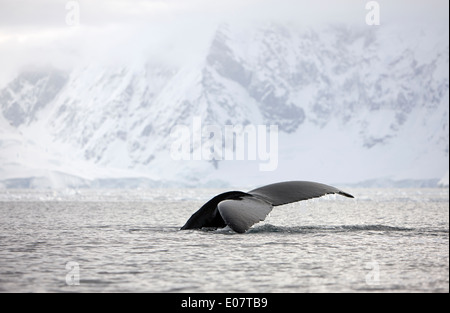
(351, 105)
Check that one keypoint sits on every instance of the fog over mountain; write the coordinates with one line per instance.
(357, 105)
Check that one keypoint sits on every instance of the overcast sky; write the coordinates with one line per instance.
(43, 31)
(15, 14)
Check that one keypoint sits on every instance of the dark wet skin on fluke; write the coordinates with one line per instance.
(240, 210)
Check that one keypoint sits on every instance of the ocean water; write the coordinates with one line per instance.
(384, 240)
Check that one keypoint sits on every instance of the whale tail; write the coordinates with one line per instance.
(240, 210)
(293, 191)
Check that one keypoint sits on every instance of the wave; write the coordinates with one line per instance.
(268, 228)
(312, 229)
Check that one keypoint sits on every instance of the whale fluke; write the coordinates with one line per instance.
(293, 191)
(240, 210)
(241, 214)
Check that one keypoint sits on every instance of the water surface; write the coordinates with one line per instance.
(384, 240)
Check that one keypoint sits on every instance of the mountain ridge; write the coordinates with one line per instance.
(342, 99)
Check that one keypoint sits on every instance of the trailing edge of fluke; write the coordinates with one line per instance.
(240, 210)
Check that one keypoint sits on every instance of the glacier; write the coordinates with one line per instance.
(353, 105)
